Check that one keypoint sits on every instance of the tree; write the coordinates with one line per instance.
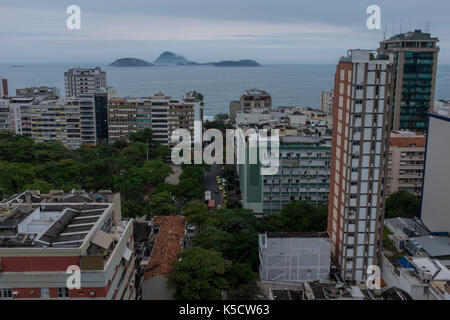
(198, 214)
(199, 275)
(157, 171)
(215, 239)
(145, 136)
(160, 152)
(242, 281)
(298, 216)
(135, 153)
(402, 204)
(161, 203)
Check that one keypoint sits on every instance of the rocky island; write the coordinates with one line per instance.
(131, 62)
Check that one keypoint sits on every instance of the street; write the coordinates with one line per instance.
(211, 183)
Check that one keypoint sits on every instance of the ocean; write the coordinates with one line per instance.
(289, 85)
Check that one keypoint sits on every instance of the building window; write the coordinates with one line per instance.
(45, 293)
(63, 292)
(5, 293)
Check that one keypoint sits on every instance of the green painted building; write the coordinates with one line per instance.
(303, 175)
(415, 61)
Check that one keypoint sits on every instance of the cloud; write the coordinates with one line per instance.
(36, 24)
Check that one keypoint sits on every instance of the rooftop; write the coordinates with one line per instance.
(407, 139)
(416, 35)
(435, 246)
(168, 245)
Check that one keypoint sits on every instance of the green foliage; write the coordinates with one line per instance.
(190, 186)
(134, 209)
(235, 235)
(160, 152)
(402, 204)
(199, 275)
(144, 136)
(197, 213)
(161, 203)
(298, 216)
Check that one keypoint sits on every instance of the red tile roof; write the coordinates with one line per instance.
(408, 141)
(168, 245)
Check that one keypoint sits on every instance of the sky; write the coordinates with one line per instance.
(268, 31)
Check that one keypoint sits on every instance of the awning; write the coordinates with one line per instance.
(103, 239)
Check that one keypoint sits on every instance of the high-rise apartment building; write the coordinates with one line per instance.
(101, 116)
(48, 121)
(20, 115)
(81, 120)
(84, 80)
(73, 125)
(405, 164)
(361, 117)
(303, 174)
(121, 119)
(4, 115)
(250, 99)
(326, 103)
(87, 119)
(161, 113)
(415, 62)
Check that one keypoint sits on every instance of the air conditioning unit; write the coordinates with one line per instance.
(92, 293)
(15, 293)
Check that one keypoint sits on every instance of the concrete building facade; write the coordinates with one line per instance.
(361, 117)
(436, 184)
(84, 81)
(406, 161)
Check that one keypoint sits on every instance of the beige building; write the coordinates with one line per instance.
(121, 119)
(161, 113)
(406, 160)
(48, 121)
(250, 99)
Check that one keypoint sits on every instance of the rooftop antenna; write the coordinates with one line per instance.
(427, 26)
(410, 25)
(384, 32)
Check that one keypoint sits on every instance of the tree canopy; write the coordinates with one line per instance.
(199, 275)
(402, 204)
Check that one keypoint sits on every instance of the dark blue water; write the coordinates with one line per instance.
(288, 84)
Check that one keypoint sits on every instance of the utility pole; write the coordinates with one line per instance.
(146, 142)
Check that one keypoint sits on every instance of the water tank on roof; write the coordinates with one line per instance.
(99, 198)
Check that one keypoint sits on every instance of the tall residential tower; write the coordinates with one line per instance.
(361, 113)
(415, 62)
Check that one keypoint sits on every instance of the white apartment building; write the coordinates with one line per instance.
(84, 80)
(361, 118)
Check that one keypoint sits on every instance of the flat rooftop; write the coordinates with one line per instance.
(435, 246)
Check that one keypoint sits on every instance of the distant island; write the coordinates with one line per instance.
(168, 58)
(131, 62)
(240, 63)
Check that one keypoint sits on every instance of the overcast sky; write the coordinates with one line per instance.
(269, 31)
